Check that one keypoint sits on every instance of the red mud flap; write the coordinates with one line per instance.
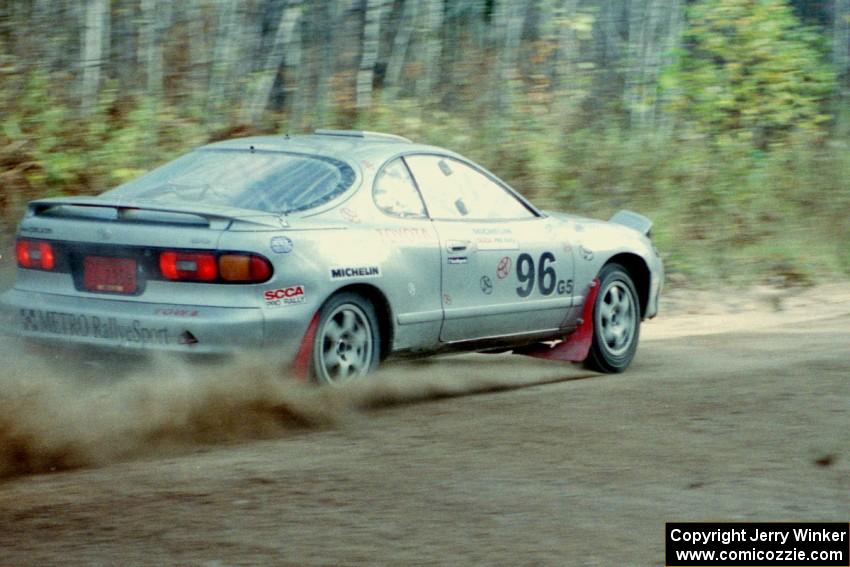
(576, 345)
(301, 364)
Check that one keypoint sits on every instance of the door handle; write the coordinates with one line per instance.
(457, 245)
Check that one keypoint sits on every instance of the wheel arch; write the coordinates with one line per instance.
(639, 272)
(382, 310)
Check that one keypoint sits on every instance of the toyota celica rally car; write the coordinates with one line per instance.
(331, 251)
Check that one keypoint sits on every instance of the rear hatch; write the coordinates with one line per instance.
(137, 251)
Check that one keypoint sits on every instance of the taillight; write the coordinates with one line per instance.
(35, 254)
(208, 267)
(244, 268)
(188, 266)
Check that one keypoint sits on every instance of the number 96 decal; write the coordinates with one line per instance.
(545, 277)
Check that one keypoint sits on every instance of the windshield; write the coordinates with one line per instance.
(274, 182)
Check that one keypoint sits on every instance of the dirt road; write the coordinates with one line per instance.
(473, 460)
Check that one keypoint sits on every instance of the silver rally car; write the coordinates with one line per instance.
(331, 251)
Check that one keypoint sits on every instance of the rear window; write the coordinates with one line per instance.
(274, 182)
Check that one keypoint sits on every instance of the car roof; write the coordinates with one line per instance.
(346, 145)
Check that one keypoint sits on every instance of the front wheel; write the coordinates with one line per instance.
(616, 322)
(347, 342)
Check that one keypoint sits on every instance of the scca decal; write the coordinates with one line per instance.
(292, 295)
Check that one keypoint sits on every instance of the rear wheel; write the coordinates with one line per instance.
(347, 342)
(616, 322)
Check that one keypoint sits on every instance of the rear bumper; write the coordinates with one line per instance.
(142, 327)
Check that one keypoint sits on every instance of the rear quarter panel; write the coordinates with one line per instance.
(351, 245)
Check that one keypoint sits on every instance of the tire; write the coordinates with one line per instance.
(347, 343)
(616, 322)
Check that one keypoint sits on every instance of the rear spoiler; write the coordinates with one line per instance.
(633, 220)
(219, 218)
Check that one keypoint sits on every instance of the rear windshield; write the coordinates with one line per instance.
(274, 182)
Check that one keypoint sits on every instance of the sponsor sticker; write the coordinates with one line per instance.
(91, 326)
(503, 268)
(347, 273)
(350, 215)
(496, 243)
(176, 312)
(486, 285)
(411, 235)
(292, 295)
(281, 245)
(36, 230)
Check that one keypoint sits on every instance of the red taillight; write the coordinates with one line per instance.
(35, 254)
(48, 260)
(232, 267)
(245, 268)
(188, 266)
(22, 251)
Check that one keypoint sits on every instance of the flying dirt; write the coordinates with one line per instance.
(56, 419)
(62, 415)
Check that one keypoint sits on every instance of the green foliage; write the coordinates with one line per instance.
(742, 178)
(752, 72)
(48, 149)
(722, 212)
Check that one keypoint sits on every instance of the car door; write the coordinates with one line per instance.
(503, 271)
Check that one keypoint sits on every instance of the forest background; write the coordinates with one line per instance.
(725, 121)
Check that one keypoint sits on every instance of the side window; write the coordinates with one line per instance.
(395, 193)
(453, 190)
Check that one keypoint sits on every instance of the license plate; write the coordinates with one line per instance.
(109, 275)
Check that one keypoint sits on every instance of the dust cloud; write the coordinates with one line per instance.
(59, 414)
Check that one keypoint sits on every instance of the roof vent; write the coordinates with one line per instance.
(361, 134)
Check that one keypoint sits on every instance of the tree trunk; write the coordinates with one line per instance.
(433, 48)
(369, 53)
(125, 46)
(44, 22)
(151, 46)
(609, 60)
(198, 59)
(97, 14)
(332, 12)
(676, 24)
(566, 58)
(223, 56)
(841, 38)
(401, 42)
(296, 77)
(510, 19)
(841, 61)
(282, 45)
(646, 47)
